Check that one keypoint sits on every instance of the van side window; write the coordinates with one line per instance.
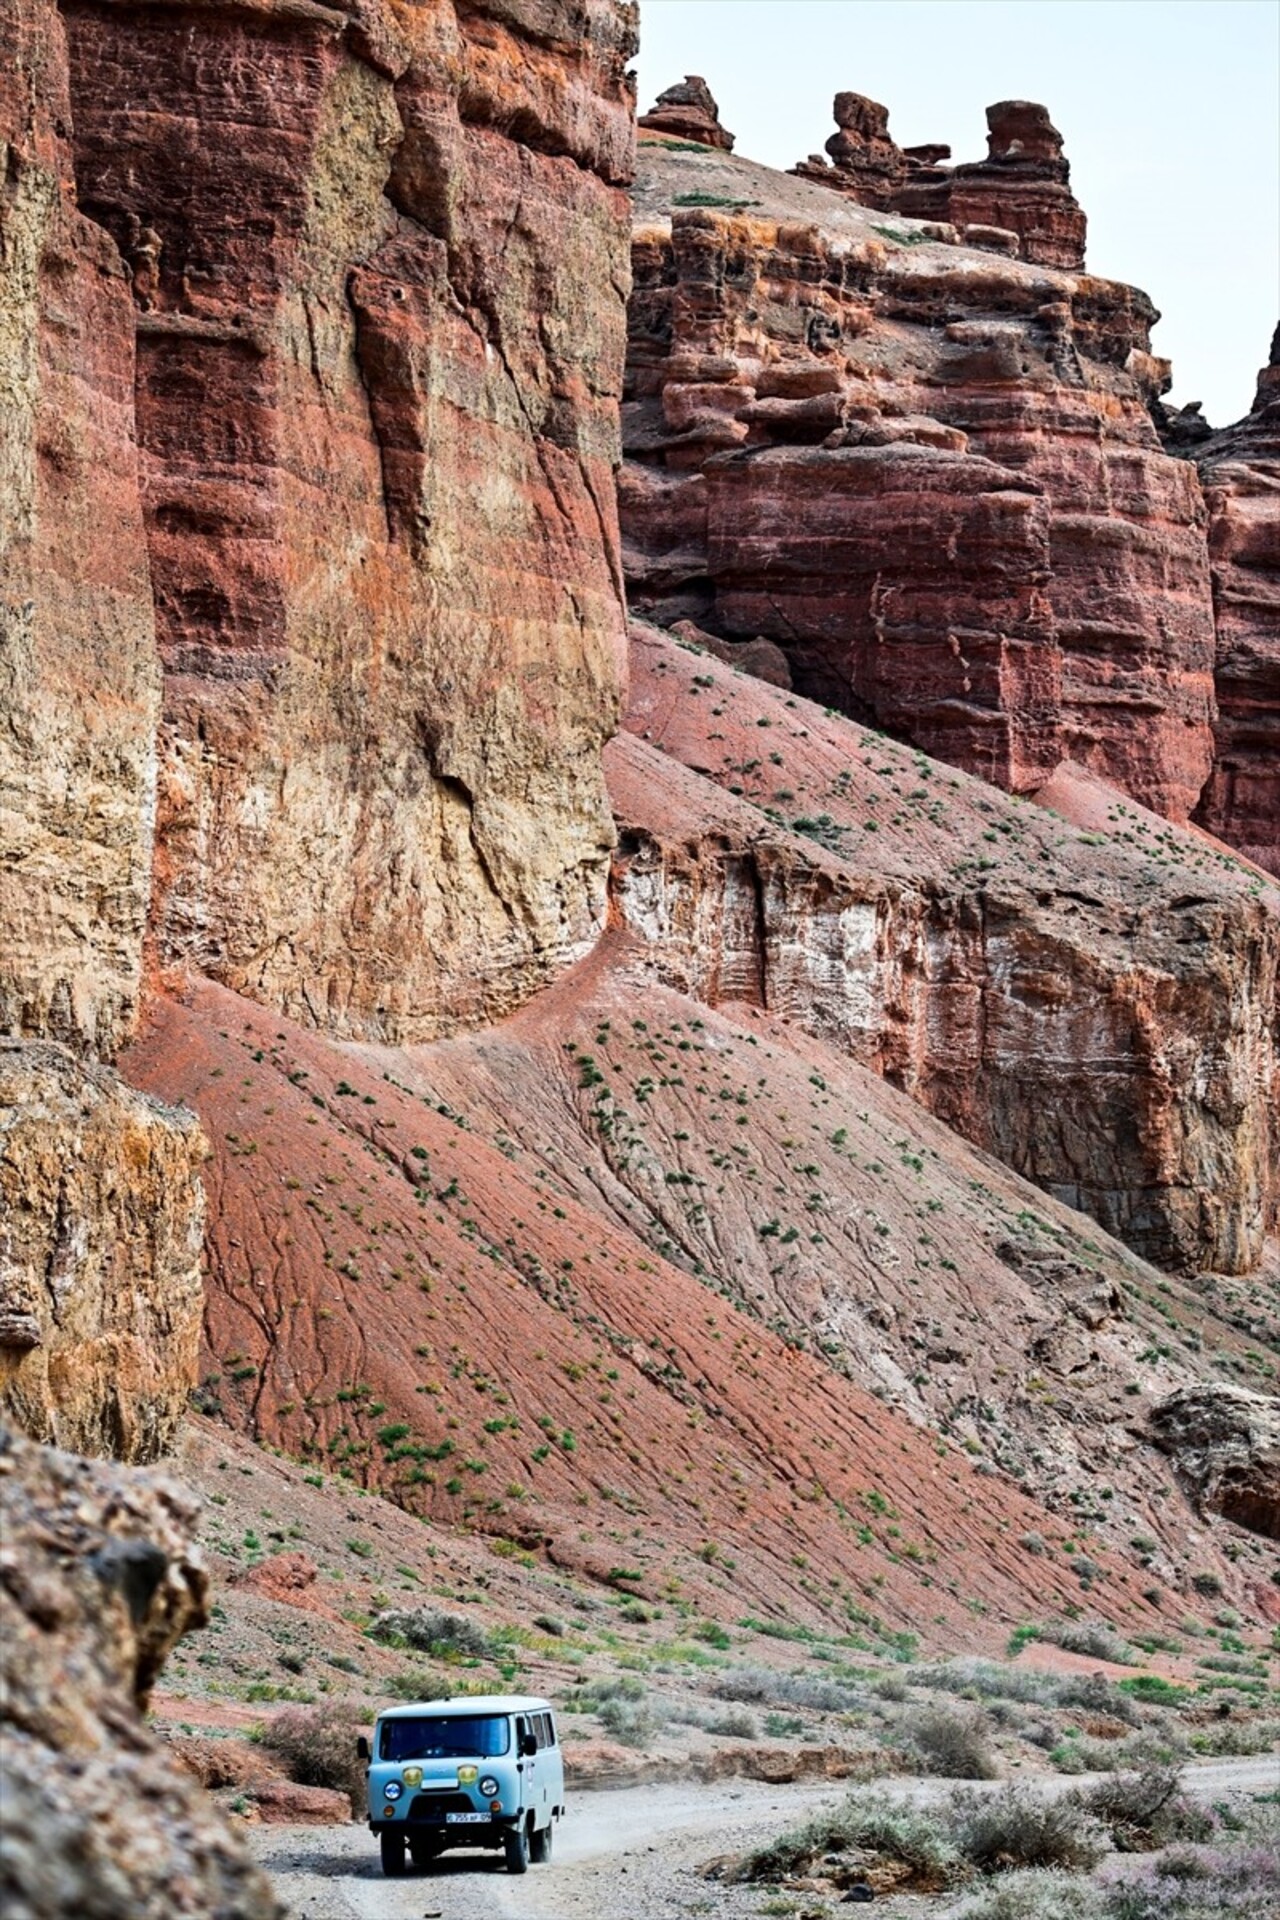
(551, 1730)
(544, 1730)
(522, 1727)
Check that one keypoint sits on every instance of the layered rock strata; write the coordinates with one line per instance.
(1240, 470)
(100, 1577)
(927, 474)
(100, 1201)
(378, 261)
(1113, 1038)
(1018, 200)
(688, 111)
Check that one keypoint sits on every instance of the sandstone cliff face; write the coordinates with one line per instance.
(100, 1204)
(927, 473)
(378, 259)
(1240, 469)
(101, 1224)
(79, 677)
(1079, 988)
(99, 1578)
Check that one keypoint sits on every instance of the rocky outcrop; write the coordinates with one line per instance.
(1018, 200)
(100, 1203)
(1225, 1442)
(99, 1578)
(1240, 469)
(687, 111)
(928, 474)
(101, 1223)
(1075, 987)
(377, 261)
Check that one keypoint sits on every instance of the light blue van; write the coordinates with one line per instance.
(479, 1771)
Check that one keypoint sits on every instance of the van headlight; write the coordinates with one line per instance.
(489, 1786)
(393, 1790)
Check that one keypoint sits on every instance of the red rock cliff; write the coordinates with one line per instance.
(929, 474)
(1240, 469)
(101, 1210)
(378, 260)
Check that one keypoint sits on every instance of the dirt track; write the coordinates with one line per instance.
(654, 1836)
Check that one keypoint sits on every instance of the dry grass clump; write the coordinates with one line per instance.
(316, 1746)
(915, 1837)
(1093, 1638)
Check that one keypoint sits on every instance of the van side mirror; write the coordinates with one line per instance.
(362, 1748)
(528, 1745)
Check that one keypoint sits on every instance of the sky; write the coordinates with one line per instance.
(1170, 110)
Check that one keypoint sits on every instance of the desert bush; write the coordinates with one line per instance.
(589, 1697)
(1143, 1811)
(764, 1686)
(953, 1742)
(1242, 1883)
(988, 1680)
(429, 1631)
(629, 1721)
(731, 1726)
(1136, 1751)
(316, 1746)
(1093, 1638)
(1020, 1828)
(871, 1822)
(1035, 1895)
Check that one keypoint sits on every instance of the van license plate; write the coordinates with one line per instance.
(465, 1819)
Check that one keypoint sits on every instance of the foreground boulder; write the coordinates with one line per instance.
(99, 1578)
(1225, 1442)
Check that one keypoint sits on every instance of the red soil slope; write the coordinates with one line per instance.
(440, 1314)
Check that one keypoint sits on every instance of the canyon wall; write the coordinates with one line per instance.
(101, 1210)
(1240, 469)
(927, 472)
(1083, 990)
(379, 261)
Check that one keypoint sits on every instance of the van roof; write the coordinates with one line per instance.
(468, 1703)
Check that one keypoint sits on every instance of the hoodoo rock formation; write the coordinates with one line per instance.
(1018, 200)
(688, 112)
(377, 257)
(928, 474)
(1240, 469)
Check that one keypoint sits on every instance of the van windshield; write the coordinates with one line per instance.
(472, 1736)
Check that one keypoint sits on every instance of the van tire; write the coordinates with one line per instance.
(392, 1846)
(540, 1846)
(424, 1852)
(515, 1844)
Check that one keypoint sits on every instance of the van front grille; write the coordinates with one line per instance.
(434, 1806)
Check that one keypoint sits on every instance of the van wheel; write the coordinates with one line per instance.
(515, 1844)
(540, 1846)
(425, 1853)
(392, 1845)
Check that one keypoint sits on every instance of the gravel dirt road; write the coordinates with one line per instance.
(628, 1855)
